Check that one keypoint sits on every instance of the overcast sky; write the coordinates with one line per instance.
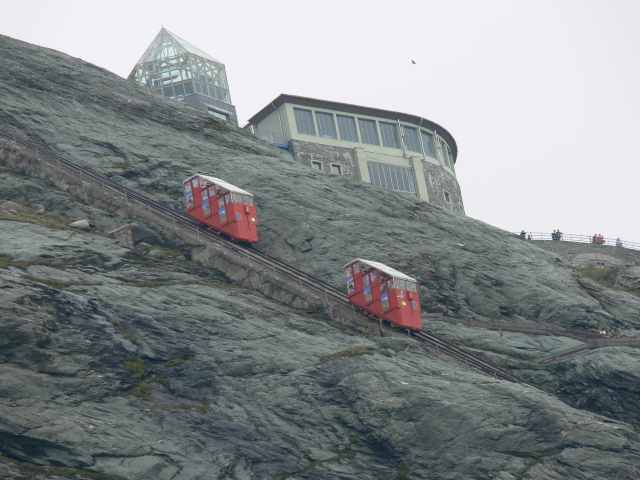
(542, 97)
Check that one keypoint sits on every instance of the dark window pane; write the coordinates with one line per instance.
(304, 121)
(347, 128)
(411, 139)
(389, 134)
(368, 132)
(427, 144)
(393, 177)
(326, 128)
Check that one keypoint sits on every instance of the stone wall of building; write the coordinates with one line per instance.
(437, 179)
(305, 152)
(438, 182)
(201, 102)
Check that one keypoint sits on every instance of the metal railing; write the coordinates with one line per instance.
(570, 237)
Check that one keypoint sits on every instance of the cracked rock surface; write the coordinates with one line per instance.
(121, 363)
(233, 386)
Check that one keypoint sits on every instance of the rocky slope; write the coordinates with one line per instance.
(314, 220)
(143, 366)
(147, 368)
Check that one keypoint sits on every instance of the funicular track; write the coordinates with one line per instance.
(183, 222)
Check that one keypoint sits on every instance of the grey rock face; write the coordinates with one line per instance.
(312, 220)
(628, 276)
(146, 368)
(12, 208)
(236, 387)
(81, 225)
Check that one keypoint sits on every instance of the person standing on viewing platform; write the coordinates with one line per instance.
(523, 234)
(556, 235)
(619, 242)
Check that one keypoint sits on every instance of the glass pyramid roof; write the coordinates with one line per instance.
(176, 69)
(167, 44)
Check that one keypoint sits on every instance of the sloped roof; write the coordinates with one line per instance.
(383, 268)
(221, 183)
(181, 45)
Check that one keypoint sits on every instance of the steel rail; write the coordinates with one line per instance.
(252, 254)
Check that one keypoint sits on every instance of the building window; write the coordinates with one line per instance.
(326, 128)
(447, 196)
(450, 164)
(411, 139)
(336, 168)
(393, 177)
(427, 144)
(347, 128)
(316, 165)
(368, 132)
(220, 115)
(304, 121)
(389, 134)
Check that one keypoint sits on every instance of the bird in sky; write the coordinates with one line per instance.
(413, 62)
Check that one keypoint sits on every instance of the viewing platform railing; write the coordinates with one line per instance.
(570, 237)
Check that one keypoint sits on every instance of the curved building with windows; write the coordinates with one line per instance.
(403, 152)
(176, 69)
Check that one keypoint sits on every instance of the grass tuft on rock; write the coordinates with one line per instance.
(143, 389)
(346, 353)
(136, 367)
(118, 328)
(174, 362)
(605, 277)
(122, 165)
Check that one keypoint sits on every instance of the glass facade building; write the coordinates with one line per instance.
(176, 69)
(401, 152)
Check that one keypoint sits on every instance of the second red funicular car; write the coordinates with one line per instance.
(383, 292)
(221, 207)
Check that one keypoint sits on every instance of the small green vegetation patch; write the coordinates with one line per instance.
(100, 155)
(605, 277)
(122, 165)
(118, 328)
(219, 126)
(143, 389)
(163, 381)
(538, 458)
(174, 362)
(348, 352)
(136, 367)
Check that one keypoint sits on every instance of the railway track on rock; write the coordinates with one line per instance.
(181, 221)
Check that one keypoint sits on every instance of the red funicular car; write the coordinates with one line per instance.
(221, 207)
(384, 293)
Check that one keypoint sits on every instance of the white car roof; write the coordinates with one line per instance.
(220, 183)
(383, 268)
